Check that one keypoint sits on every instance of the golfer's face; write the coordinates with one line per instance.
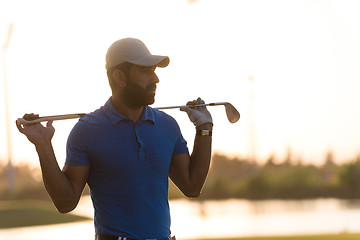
(141, 86)
(144, 77)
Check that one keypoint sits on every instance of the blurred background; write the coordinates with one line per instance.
(291, 68)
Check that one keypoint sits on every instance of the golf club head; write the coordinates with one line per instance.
(232, 114)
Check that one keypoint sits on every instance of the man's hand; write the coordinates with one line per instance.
(197, 115)
(37, 133)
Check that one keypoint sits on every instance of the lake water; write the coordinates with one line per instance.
(227, 218)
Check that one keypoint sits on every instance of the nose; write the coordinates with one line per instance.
(155, 78)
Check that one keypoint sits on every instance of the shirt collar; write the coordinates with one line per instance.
(115, 117)
(148, 115)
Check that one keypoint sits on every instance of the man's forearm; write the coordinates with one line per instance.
(200, 159)
(55, 181)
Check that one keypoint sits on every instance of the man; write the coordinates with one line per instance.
(126, 151)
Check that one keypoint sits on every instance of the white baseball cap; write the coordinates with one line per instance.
(134, 51)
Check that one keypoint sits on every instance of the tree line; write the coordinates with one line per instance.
(239, 178)
(233, 177)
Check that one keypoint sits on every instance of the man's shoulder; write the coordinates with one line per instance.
(88, 125)
(162, 116)
(165, 121)
(92, 119)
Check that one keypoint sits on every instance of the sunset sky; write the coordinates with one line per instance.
(291, 68)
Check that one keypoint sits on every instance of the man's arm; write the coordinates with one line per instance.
(189, 172)
(64, 186)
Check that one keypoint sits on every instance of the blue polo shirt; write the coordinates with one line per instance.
(129, 168)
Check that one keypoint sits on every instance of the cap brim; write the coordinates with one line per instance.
(152, 60)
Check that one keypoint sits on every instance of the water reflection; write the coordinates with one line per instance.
(233, 218)
(228, 218)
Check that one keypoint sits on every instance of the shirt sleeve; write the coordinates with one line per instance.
(181, 146)
(76, 146)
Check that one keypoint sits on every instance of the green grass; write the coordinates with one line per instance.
(32, 213)
(342, 236)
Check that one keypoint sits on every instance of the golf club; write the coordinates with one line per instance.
(232, 114)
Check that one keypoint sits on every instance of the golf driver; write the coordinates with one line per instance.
(232, 114)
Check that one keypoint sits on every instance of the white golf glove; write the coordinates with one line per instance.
(197, 115)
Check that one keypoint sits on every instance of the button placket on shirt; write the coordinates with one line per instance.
(141, 152)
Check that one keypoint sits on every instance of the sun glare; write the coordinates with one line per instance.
(301, 57)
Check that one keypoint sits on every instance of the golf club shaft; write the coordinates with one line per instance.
(196, 105)
(21, 121)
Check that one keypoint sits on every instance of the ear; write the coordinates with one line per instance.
(119, 78)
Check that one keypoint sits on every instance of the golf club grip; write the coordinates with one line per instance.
(21, 121)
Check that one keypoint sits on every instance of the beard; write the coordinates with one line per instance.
(136, 96)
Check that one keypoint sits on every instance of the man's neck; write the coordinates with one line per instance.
(129, 112)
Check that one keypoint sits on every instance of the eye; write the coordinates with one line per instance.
(148, 70)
